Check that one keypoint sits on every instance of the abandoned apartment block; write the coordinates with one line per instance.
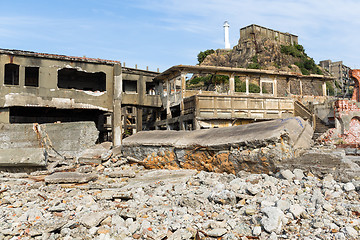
(243, 96)
(45, 88)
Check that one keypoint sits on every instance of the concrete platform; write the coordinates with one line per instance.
(256, 147)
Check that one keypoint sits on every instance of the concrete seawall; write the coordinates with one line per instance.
(257, 147)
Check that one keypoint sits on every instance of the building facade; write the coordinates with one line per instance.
(278, 95)
(342, 81)
(41, 88)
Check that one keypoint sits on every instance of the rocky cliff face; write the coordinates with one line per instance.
(264, 53)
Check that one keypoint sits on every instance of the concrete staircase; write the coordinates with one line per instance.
(318, 125)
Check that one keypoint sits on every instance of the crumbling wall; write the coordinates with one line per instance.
(65, 138)
(257, 147)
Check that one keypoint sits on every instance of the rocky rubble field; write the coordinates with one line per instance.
(119, 199)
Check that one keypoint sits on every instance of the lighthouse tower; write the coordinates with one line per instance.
(226, 30)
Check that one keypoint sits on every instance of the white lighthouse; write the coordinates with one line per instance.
(226, 30)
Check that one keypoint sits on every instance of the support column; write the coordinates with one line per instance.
(116, 117)
(139, 119)
(4, 115)
(301, 88)
(275, 90)
(324, 88)
(21, 76)
(261, 90)
(182, 96)
(168, 111)
(289, 87)
(247, 84)
(232, 84)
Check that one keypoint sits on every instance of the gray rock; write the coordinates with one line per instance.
(287, 174)
(70, 177)
(350, 231)
(272, 222)
(296, 210)
(217, 232)
(349, 187)
(254, 189)
(299, 174)
(92, 219)
(283, 204)
(223, 197)
(256, 231)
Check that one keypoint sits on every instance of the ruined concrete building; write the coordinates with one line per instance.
(247, 35)
(342, 81)
(43, 88)
(279, 95)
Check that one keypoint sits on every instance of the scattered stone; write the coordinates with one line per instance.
(92, 219)
(173, 204)
(272, 222)
(296, 210)
(287, 174)
(299, 174)
(217, 232)
(349, 187)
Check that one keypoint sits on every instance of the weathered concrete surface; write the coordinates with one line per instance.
(257, 147)
(70, 177)
(65, 138)
(23, 157)
(327, 161)
(96, 153)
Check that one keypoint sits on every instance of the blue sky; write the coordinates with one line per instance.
(163, 33)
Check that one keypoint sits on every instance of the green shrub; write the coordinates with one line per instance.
(254, 66)
(202, 55)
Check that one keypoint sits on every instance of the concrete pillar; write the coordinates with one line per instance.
(232, 84)
(116, 117)
(324, 88)
(139, 115)
(247, 84)
(275, 90)
(183, 89)
(141, 89)
(4, 115)
(261, 91)
(301, 88)
(289, 87)
(21, 76)
(168, 90)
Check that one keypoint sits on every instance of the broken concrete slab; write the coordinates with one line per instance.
(257, 147)
(23, 157)
(96, 154)
(65, 138)
(70, 177)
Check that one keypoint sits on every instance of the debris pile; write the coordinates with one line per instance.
(114, 198)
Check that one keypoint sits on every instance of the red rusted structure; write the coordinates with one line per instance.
(355, 74)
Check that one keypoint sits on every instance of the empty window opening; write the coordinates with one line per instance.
(150, 88)
(129, 86)
(51, 115)
(32, 76)
(70, 78)
(11, 74)
(267, 88)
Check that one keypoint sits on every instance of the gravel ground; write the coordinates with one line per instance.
(122, 200)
